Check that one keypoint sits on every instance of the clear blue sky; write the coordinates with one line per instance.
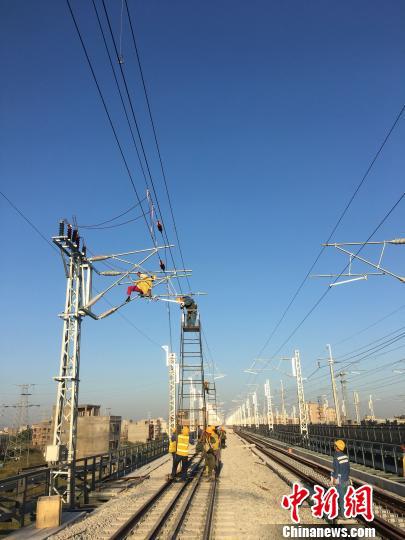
(268, 115)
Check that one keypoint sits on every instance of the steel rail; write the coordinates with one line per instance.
(127, 527)
(176, 527)
(387, 529)
(210, 514)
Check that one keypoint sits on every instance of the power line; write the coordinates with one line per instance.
(94, 228)
(107, 112)
(323, 295)
(156, 138)
(138, 132)
(112, 219)
(363, 179)
(31, 224)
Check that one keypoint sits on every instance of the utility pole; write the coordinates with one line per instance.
(249, 418)
(244, 423)
(255, 410)
(171, 365)
(297, 373)
(333, 382)
(345, 400)
(294, 414)
(270, 417)
(283, 411)
(371, 407)
(325, 408)
(356, 406)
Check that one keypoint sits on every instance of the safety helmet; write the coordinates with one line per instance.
(185, 430)
(209, 429)
(340, 445)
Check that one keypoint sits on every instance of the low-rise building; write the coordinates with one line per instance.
(41, 434)
(96, 434)
(146, 430)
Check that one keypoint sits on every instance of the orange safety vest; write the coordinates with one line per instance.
(182, 445)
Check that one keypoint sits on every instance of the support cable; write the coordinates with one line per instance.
(156, 138)
(107, 111)
(164, 232)
(363, 179)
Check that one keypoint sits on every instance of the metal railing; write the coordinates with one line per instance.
(19, 494)
(384, 456)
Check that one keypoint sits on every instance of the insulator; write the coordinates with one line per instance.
(69, 231)
(84, 250)
(78, 241)
(162, 265)
(159, 226)
(61, 227)
(74, 236)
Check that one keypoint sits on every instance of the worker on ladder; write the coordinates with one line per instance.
(187, 303)
(182, 446)
(143, 286)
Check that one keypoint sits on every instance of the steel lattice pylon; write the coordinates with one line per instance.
(191, 376)
(65, 418)
(300, 395)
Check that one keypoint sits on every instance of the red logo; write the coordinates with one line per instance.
(357, 502)
(294, 501)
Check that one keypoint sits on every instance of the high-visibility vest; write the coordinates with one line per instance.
(215, 445)
(182, 445)
(172, 446)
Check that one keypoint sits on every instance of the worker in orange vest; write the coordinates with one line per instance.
(143, 286)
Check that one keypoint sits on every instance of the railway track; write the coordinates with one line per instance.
(389, 510)
(176, 510)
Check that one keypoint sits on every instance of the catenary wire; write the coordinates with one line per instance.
(156, 138)
(139, 134)
(363, 179)
(112, 219)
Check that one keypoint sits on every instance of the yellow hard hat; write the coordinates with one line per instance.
(185, 430)
(209, 429)
(340, 445)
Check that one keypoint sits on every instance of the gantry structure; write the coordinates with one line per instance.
(79, 303)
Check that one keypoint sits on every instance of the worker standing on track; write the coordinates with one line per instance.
(143, 286)
(183, 443)
(222, 437)
(217, 451)
(209, 455)
(340, 476)
(172, 451)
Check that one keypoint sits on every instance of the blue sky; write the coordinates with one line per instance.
(268, 114)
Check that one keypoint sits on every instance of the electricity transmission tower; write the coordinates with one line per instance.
(19, 440)
(333, 383)
(356, 406)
